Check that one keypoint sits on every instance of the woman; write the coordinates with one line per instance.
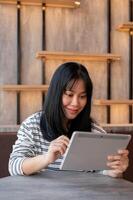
(43, 137)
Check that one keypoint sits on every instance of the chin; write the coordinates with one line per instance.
(71, 117)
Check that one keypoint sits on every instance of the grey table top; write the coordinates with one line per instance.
(64, 185)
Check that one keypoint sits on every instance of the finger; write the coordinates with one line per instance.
(114, 157)
(57, 149)
(118, 165)
(113, 165)
(62, 141)
(59, 143)
(58, 146)
(123, 152)
(65, 138)
(120, 168)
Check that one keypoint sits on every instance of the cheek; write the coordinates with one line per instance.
(65, 101)
(84, 103)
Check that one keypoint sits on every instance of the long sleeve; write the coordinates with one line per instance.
(24, 147)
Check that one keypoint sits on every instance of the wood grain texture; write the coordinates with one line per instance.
(30, 102)
(120, 71)
(84, 29)
(75, 56)
(127, 27)
(25, 88)
(49, 3)
(77, 30)
(31, 71)
(8, 63)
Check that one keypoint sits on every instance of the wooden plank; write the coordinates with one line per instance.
(45, 55)
(31, 73)
(119, 114)
(30, 103)
(120, 71)
(127, 27)
(118, 128)
(112, 102)
(50, 67)
(8, 63)
(77, 31)
(18, 88)
(49, 3)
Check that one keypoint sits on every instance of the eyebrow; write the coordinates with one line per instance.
(73, 91)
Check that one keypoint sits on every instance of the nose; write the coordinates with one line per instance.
(75, 101)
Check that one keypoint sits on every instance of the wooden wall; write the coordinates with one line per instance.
(8, 63)
(120, 70)
(91, 28)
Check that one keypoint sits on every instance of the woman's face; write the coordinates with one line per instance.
(74, 100)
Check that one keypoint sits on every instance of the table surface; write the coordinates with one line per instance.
(64, 185)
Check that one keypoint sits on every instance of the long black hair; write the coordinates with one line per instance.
(52, 118)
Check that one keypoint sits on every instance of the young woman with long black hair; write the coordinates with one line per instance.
(43, 137)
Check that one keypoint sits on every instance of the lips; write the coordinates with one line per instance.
(72, 111)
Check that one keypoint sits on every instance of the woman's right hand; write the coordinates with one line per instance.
(57, 148)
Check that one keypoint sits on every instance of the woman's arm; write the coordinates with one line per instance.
(25, 158)
(56, 149)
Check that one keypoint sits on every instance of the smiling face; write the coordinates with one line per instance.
(74, 100)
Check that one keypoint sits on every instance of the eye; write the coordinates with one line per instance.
(83, 96)
(68, 93)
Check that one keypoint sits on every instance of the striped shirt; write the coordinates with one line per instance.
(31, 143)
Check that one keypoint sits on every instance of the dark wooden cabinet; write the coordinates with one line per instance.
(6, 142)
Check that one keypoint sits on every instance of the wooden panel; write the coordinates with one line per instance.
(31, 34)
(112, 102)
(49, 3)
(120, 71)
(30, 102)
(25, 88)
(77, 30)
(50, 67)
(8, 62)
(76, 56)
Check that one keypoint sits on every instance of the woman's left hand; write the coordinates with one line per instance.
(118, 163)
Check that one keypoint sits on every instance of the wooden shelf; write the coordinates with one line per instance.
(118, 128)
(44, 88)
(48, 3)
(25, 88)
(46, 55)
(127, 27)
(104, 102)
(118, 125)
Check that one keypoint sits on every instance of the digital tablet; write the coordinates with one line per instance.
(88, 151)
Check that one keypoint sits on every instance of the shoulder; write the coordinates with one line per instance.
(34, 118)
(31, 123)
(96, 128)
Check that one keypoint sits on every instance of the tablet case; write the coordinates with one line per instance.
(88, 151)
